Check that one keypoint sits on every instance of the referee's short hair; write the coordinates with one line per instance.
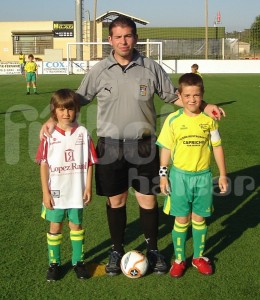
(123, 21)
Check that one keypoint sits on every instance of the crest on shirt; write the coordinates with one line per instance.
(204, 127)
(69, 155)
(80, 139)
(143, 90)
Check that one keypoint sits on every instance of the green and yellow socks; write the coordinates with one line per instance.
(179, 236)
(54, 246)
(77, 242)
(54, 242)
(199, 232)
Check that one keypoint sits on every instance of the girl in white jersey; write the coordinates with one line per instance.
(66, 160)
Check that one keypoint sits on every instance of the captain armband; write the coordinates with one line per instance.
(163, 171)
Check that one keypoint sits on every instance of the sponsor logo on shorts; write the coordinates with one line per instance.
(208, 209)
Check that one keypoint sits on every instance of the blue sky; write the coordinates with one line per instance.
(235, 14)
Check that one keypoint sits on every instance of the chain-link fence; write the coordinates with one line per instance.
(191, 42)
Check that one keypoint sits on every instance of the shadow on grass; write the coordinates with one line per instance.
(51, 92)
(164, 115)
(220, 104)
(241, 206)
(133, 232)
(14, 111)
(225, 103)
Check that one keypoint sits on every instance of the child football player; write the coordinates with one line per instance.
(31, 72)
(186, 139)
(195, 69)
(66, 160)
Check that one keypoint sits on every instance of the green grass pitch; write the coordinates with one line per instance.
(233, 235)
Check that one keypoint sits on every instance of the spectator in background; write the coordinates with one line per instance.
(22, 62)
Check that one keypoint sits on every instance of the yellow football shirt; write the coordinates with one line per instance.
(190, 140)
(21, 59)
(31, 66)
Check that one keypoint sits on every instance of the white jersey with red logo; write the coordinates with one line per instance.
(68, 154)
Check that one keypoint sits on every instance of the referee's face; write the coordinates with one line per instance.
(123, 41)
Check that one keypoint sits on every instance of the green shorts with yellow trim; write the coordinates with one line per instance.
(30, 76)
(74, 215)
(190, 192)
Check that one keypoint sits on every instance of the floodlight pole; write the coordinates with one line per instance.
(206, 29)
(94, 27)
(79, 53)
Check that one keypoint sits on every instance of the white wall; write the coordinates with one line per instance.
(170, 66)
(212, 66)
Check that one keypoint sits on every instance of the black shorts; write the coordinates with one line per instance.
(127, 163)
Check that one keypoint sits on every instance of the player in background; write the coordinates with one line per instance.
(22, 62)
(31, 73)
(195, 69)
(186, 139)
(66, 176)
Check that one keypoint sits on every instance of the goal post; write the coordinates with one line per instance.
(93, 52)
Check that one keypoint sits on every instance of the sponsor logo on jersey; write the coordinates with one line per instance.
(55, 193)
(68, 168)
(183, 126)
(54, 141)
(80, 140)
(193, 143)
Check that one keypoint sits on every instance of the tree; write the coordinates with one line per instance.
(255, 35)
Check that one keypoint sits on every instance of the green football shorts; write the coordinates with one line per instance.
(190, 192)
(74, 215)
(31, 76)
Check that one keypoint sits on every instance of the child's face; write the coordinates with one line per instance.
(191, 98)
(65, 116)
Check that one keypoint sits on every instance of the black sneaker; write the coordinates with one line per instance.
(53, 272)
(156, 262)
(28, 93)
(36, 93)
(80, 270)
(113, 265)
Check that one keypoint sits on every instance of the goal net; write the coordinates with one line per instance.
(81, 57)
